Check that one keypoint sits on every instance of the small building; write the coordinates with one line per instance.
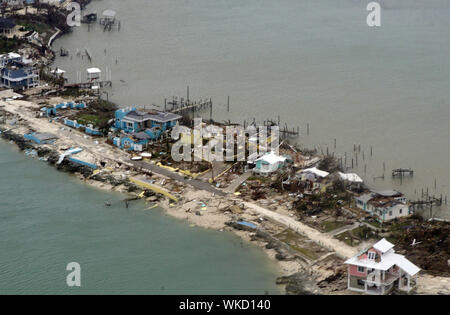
(155, 122)
(108, 16)
(378, 270)
(269, 163)
(313, 177)
(313, 173)
(384, 205)
(93, 74)
(17, 72)
(351, 179)
(41, 138)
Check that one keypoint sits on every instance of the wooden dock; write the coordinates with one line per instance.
(184, 107)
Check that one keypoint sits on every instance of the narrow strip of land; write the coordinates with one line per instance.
(342, 250)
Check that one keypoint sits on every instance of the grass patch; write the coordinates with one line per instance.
(91, 119)
(294, 241)
(328, 226)
(347, 239)
(355, 236)
(33, 26)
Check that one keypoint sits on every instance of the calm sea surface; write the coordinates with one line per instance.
(309, 61)
(49, 219)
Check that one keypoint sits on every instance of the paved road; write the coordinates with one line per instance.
(198, 184)
(237, 182)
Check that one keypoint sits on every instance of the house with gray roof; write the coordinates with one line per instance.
(132, 120)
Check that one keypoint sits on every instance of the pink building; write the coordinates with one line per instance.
(378, 269)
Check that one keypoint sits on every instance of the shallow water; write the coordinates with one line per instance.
(308, 61)
(49, 219)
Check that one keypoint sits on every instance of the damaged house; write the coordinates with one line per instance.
(384, 205)
(17, 72)
(313, 177)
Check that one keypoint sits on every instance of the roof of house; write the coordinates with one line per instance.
(388, 259)
(58, 71)
(364, 198)
(44, 136)
(315, 171)
(93, 70)
(109, 13)
(383, 245)
(11, 55)
(351, 177)
(388, 193)
(141, 136)
(271, 158)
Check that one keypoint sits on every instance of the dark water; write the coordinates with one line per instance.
(309, 61)
(49, 219)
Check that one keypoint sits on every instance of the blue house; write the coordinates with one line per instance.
(41, 138)
(132, 142)
(17, 72)
(152, 122)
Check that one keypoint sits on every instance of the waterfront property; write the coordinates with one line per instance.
(384, 205)
(93, 74)
(378, 270)
(17, 72)
(352, 180)
(152, 122)
(313, 177)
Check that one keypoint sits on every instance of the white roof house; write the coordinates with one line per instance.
(58, 71)
(272, 158)
(351, 177)
(109, 14)
(93, 74)
(93, 70)
(269, 162)
(378, 269)
(315, 171)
